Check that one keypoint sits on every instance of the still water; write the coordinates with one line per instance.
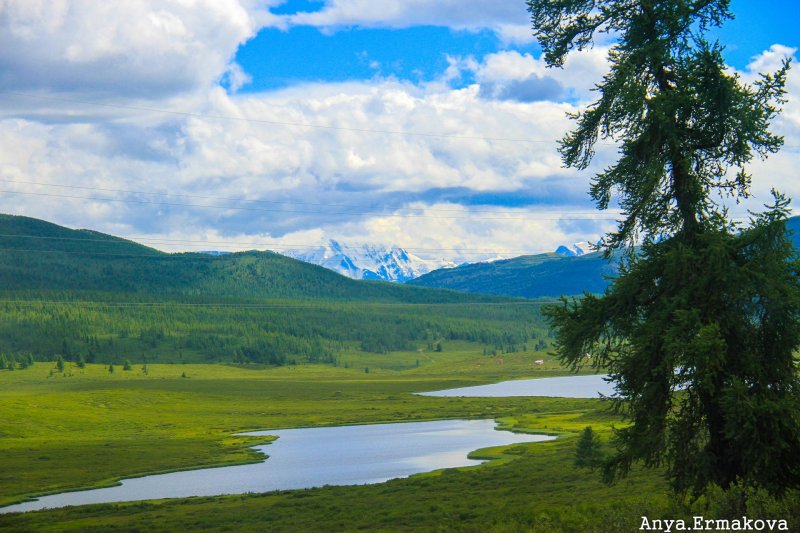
(563, 387)
(312, 457)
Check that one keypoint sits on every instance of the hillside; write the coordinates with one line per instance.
(543, 275)
(40, 256)
(89, 296)
(530, 276)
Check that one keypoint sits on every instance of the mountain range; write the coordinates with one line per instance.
(568, 271)
(530, 276)
(40, 256)
(369, 262)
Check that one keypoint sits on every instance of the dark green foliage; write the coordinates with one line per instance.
(587, 451)
(268, 333)
(699, 328)
(60, 363)
(707, 376)
(682, 120)
(111, 368)
(127, 365)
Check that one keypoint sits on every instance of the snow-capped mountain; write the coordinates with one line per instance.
(369, 261)
(579, 248)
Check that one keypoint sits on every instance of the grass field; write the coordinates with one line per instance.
(88, 427)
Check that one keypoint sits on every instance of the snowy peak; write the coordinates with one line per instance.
(579, 248)
(369, 261)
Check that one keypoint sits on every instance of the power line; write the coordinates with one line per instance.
(289, 246)
(310, 305)
(280, 122)
(202, 256)
(276, 202)
(300, 124)
(317, 213)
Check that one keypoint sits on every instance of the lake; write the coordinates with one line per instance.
(312, 457)
(563, 387)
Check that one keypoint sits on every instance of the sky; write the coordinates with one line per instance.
(238, 124)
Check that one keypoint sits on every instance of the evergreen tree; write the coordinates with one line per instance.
(59, 363)
(699, 327)
(587, 451)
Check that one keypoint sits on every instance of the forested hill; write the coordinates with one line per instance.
(39, 256)
(530, 276)
(543, 275)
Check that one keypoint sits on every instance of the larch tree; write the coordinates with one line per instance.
(699, 327)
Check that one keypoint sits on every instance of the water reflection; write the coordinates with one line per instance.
(312, 457)
(563, 387)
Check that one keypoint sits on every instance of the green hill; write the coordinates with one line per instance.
(89, 297)
(530, 276)
(39, 256)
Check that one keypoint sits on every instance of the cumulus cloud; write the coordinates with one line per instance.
(148, 48)
(337, 149)
(134, 127)
(521, 76)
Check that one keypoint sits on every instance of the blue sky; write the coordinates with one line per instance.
(236, 124)
(277, 58)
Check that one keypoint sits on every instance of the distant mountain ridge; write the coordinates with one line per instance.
(579, 248)
(530, 276)
(570, 270)
(40, 256)
(369, 261)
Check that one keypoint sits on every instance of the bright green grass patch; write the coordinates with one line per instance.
(87, 427)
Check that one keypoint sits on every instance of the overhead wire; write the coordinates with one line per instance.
(276, 122)
(287, 123)
(590, 216)
(239, 199)
(268, 305)
(277, 245)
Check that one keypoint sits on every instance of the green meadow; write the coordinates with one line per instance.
(88, 427)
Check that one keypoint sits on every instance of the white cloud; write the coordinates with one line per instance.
(147, 48)
(355, 157)
(505, 71)
(779, 170)
(504, 16)
(342, 178)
